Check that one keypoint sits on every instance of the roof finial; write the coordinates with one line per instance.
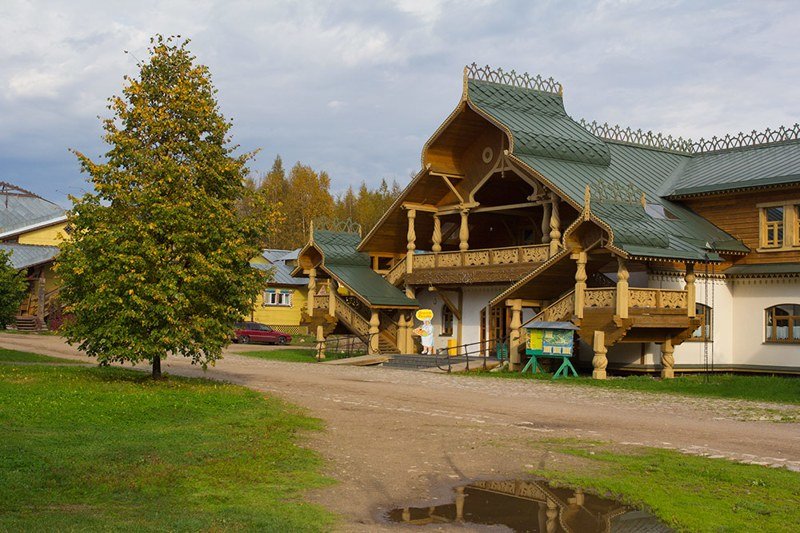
(311, 232)
(643, 200)
(587, 201)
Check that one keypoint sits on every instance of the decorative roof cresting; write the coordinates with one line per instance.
(512, 78)
(702, 146)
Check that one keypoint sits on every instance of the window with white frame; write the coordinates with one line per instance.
(277, 297)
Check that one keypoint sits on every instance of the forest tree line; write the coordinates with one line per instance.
(292, 200)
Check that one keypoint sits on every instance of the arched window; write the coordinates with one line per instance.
(703, 332)
(447, 321)
(782, 323)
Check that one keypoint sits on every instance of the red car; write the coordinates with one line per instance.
(246, 332)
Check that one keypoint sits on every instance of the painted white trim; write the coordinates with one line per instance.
(38, 225)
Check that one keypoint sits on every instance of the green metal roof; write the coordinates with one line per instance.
(740, 168)
(538, 122)
(547, 140)
(769, 268)
(353, 269)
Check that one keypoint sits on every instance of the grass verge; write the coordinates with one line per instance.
(758, 388)
(291, 355)
(688, 493)
(26, 357)
(110, 449)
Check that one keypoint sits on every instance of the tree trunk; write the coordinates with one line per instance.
(157, 367)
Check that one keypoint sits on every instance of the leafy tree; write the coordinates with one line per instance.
(12, 290)
(308, 197)
(159, 257)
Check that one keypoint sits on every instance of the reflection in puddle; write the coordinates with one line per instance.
(531, 506)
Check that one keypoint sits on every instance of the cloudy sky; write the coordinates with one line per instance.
(356, 87)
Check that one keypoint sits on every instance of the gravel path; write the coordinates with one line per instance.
(398, 437)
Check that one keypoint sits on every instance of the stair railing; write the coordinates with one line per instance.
(491, 349)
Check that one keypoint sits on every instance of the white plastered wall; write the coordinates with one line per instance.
(753, 296)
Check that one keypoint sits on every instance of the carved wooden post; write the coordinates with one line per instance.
(437, 235)
(40, 297)
(320, 343)
(463, 231)
(412, 237)
(545, 223)
(599, 361)
(691, 290)
(514, 334)
(312, 290)
(401, 332)
(667, 359)
(622, 288)
(374, 330)
(332, 297)
(580, 283)
(410, 345)
(555, 225)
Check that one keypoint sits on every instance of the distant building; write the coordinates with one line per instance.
(31, 228)
(282, 301)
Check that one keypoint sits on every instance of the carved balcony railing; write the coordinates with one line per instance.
(487, 257)
(657, 298)
(396, 273)
(321, 301)
(559, 311)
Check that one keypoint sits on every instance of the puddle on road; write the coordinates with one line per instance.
(529, 506)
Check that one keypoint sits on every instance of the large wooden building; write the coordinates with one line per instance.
(667, 254)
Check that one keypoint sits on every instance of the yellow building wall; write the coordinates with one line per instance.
(49, 236)
(276, 315)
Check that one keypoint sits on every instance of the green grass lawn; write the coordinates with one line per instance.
(760, 388)
(689, 493)
(26, 357)
(292, 355)
(110, 449)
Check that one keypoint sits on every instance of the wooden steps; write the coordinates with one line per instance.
(27, 323)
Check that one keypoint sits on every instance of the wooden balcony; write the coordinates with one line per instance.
(470, 266)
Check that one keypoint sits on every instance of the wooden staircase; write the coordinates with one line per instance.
(27, 323)
(351, 317)
(653, 316)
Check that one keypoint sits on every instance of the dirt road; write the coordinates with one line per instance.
(397, 437)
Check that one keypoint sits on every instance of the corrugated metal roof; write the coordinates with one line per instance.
(281, 272)
(28, 255)
(740, 168)
(20, 208)
(768, 268)
(353, 269)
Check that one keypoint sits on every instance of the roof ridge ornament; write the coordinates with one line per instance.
(335, 225)
(631, 136)
(512, 78)
(702, 146)
(747, 140)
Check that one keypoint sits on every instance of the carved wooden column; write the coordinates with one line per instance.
(514, 336)
(374, 330)
(580, 283)
(545, 223)
(599, 361)
(320, 343)
(622, 288)
(691, 290)
(555, 225)
(463, 231)
(410, 345)
(401, 332)
(667, 359)
(437, 235)
(312, 290)
(412, 237)
(332, 297)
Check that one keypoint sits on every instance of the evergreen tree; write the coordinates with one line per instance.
(12, 290)
(159, 257)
